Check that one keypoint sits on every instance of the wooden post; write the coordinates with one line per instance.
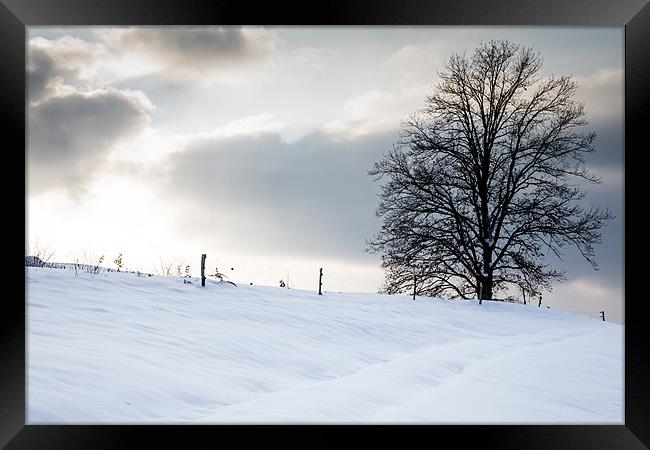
(203, 256)
(602, 313)
(415, 280)
(320, 281)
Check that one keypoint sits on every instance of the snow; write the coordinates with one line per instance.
(120, 348)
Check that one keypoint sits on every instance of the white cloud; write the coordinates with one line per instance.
(376, 111)
(306, 59)
(430, 52)
(590, 288)
(603, 94)
(261, 123)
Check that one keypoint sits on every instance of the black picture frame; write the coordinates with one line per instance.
(634, 15)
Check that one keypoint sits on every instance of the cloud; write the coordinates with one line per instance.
(265, 122)
(259, 194)
(419, 62)
(70, 135)
(428, 53)
(603, 94)
(73, 124)
(40, 71)
(174, 54)
(377, 111)
(592, 289)
(52, 63)
(304, 59)
(181, 52)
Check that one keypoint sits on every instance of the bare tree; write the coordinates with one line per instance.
(164, 267)
(484, 181)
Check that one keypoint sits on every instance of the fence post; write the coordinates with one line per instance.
(415, 280)
(320, 281)
(203, 256)
(602, 313)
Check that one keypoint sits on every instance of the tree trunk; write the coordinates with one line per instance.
(487, 288)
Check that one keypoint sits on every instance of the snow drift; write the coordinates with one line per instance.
(120, 348)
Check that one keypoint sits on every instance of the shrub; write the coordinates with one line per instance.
(118, 262)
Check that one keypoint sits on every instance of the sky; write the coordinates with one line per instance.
(252, 145)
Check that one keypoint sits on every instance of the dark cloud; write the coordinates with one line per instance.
(43, 69)
(70, 131)
(258, 194)
(586, 289)
(182, 49)
(610, 253)
(311, 197)
(70, 135)
(602, 93)
(609, 143)
(50, 61)
(602, 288)
(39, 72)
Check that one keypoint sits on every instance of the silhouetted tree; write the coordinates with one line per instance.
(484, 180)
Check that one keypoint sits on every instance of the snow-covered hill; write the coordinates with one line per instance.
(119, 348)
